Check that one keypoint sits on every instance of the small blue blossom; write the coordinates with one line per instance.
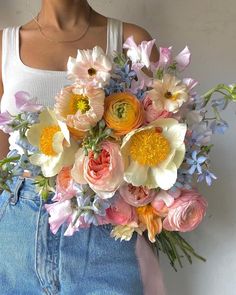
(207, 176)
(195, 163)
(90, 217)
(184, 180)
(219, 103)
(219, 126)
(99, 206)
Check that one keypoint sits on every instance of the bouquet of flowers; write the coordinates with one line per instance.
(124, 145)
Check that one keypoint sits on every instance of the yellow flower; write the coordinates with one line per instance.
(123, 112)
(125, 232)
(56, 149)
(152, 154)
(148, 217)
(168, 94)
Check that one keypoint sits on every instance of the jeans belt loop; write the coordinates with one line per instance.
(15, 195)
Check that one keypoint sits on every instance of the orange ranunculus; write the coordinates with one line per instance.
(123, 112)
(149, 218)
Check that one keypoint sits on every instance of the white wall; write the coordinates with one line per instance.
(209, 28)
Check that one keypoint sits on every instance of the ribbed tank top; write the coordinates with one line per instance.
(43, 84)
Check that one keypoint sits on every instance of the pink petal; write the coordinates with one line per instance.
(183, 59)
(25, 103)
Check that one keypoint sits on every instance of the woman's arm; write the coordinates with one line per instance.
(4, 146)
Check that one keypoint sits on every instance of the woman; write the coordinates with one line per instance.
(32, 259)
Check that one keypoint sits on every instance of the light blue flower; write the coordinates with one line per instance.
(219, 126)
(99, 206)
(219, 103)
(195, 162)
(207, 176)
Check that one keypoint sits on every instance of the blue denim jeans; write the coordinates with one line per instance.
(34, 261)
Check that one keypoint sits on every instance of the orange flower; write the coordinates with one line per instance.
(123, 112)
(148, 217)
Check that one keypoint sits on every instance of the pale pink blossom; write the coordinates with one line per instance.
(26, 103)
(104, 174)
(121, 212)
(136, 195)
(80, 108)
(60, 212)
(186, 213)
(139, 54)
(150, 111)
(183, 59)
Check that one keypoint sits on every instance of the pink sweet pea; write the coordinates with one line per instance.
(60, 212)
(25, 103)
(104, 174)
(183, 59)
(121, 212)
(165, 57)
(186, 213)
(191, 83)
(139, 54)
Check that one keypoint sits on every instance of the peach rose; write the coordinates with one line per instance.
(120, 212)
(136, 195)
(104, 174)
(186, 213)
(64, 185)
(123, 112)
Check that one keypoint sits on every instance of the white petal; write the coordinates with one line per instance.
(165, 177)
(176, 134)
(179, 155)
(136, 174)
(57, 143)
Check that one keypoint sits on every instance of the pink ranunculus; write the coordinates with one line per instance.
(64, 185)
(150, 111)
(186, 213)
(59, 212)
(104, 174)
(120, 212)
(136, 195)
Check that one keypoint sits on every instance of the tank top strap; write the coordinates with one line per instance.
(114, 36)
(9, 49)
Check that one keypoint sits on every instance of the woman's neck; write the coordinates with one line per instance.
(64, 14)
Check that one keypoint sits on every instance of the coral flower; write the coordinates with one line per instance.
(123, 112)
(56, 149)
(80, 108)
(168, 94)
(148, 217)
(152, 154)
(90, 67)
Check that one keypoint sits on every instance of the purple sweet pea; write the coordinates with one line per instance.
(5, 121)
(25, 103)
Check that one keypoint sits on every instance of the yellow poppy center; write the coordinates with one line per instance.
(92, 71)
(149, 147)
(171, 95)
(79, 102)
(46, 140)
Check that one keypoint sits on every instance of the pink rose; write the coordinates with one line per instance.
(136, 195)
(64, 185)
(186, 213)
(150, 112)
(120, 212)
(104, 174)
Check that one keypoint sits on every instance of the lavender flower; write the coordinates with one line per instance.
(207, 176)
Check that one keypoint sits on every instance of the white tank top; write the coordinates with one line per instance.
(43, 84)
